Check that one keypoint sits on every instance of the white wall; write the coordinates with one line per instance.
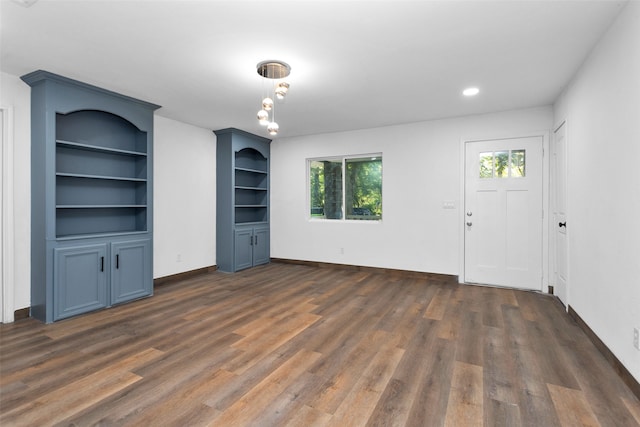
(184, 197)
(16, 94)
(421, 168)
(602, 109)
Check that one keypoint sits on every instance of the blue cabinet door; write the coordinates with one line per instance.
(261, 245)
(243, 248)
(131, 270)
(80, 280)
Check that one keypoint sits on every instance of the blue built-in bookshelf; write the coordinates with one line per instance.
(91, 197)
(242, 229)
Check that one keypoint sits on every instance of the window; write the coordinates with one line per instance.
(346, 187)
(502, 164)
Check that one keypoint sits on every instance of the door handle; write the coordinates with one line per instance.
(562, 224)
(250, 240)
(101, 263)
(469, 213)
(469, 223)
(256, 239)
(117, 261)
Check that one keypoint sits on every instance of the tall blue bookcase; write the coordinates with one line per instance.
(91, 197)
(242, 205)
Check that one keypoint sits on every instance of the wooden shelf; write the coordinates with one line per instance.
(241, 187)
(251, 170)
(98, 206)
(94, 235)
(112, 178)
(89, 147)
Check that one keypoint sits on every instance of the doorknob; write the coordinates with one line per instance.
(562, 224)
(469, 223)
(469, 213)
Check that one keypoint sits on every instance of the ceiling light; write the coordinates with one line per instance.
(25, 3)
(274, 72)
(267, 104)
(263, 117)
(281, 89)
(471, 91)
(273, 128)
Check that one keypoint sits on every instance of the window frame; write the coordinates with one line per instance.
(343, 160)
(509, 164)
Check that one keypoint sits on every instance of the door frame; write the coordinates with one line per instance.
(552, 197)
(7, 223)
(545, 198)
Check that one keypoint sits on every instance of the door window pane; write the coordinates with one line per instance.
(501, 164)
(517, 163)
(486, 165)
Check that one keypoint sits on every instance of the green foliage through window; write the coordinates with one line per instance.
(362, 195)
(502, 164)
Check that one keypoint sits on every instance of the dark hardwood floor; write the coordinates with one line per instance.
(293, 345)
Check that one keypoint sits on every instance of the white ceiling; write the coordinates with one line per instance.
(355, 64)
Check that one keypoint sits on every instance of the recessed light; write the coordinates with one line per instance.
(471, 91)
(25, 3)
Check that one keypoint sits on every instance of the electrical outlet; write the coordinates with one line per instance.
(636, 338)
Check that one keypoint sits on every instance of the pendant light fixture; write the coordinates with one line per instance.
(274, 72)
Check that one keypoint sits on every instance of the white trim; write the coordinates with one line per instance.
(546, 208)
(7, 202)
(544, 134)
(559, 125)
(462, 165)
(552, 210)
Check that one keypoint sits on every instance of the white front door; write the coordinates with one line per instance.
(503, 212)
(559, 225)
